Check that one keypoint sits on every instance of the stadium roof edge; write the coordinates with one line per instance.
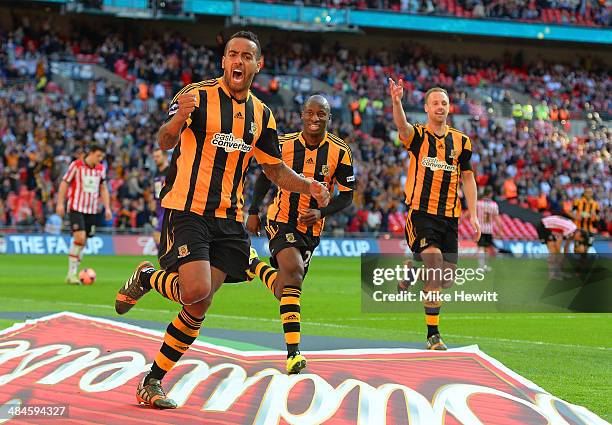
(403, 21)
(325, 17)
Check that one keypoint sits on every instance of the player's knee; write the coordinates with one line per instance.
(198, 309)
(79, 238)
(296, 274)
(194, 290)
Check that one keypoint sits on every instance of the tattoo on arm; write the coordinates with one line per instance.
(285, 178)
(166, 139)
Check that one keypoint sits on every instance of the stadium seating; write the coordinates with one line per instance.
(149, 79)
(593, 13)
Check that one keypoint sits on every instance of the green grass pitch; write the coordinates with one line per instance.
(567, 354)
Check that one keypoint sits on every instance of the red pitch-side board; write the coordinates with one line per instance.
(93, 366)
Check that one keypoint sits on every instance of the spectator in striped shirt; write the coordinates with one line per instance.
(488, 213)
(84, 182)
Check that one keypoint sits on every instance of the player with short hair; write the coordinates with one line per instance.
(488, 214)
(160, 157)
(215, 127)
(294, 222)
(84, 183)
(439, 159)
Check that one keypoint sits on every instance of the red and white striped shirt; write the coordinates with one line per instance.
(487, 210)
(84, 189)
(558, 224)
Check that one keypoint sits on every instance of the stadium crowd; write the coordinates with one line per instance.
(527, 158)
(573, 12)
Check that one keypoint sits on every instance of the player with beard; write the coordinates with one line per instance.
(439, 159)
(215, 128)
(294, 222)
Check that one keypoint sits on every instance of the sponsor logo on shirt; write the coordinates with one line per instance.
(434, 164)
(230, 143)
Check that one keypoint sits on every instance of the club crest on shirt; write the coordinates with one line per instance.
(453, 154)
(183, 251)
(253, 129)
(325, 170)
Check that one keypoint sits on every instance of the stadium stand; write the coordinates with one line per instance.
(527, 152)
(567, 12)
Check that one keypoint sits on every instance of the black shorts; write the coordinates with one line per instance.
(545, 235)
(585, 238)
(423, 230)
(187, 237)
(283, 235)
(81, 221)
(486, 240)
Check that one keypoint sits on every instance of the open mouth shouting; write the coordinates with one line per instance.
(237, 76)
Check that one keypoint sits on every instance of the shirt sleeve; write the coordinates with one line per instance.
(266, 149)
(345, 175)
(174, 105)
(72, 169)
(415, 140)
(466, 155)
(338, 203)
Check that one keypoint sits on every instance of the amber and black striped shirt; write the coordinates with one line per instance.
(586, 213)
(331, 162)
(436, 162)
(206, 175)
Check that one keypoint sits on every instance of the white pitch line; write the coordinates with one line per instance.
(333, 325)
(501, 316)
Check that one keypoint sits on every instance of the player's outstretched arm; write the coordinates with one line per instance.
(404, 128)
(287, 179)
(169, 133)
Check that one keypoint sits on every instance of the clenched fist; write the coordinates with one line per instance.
(253, 224)
(186, 105)
(320, 193)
